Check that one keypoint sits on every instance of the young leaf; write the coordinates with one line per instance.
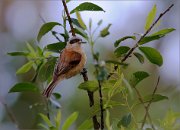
(87, 6)
(100, 22)
(139, 57)
(24, 87)
(18, 53)
(46, 120)
(125, 121)
(163, 31)
(107, 120)
(69, 121)
(121, 50)
(46, 28)
(25, 68)
(122, 39)
(139, 76)
(80, 20)
(154, 98)
(86, 125)
(90, 24)
(56, 47)
(58, 119)
(105, 31)
(89, 86)
(152, 55)
(150, 17)
(156, 36)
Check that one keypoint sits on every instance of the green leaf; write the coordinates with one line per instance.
(68, 1)
(25, 68)
(139, 57)
(56, 47)
(125, 121)
(47, 69)
(150, 18)
(58, 119)
(152, 55)
(89, 86)
(86, 125)
(46, 120)
(105, 31)
(43, 126)
(87, 6)
(121, 50)
(69, 121)
(76, 22)
(154, 98)
(18, 53)
(156, 36)
(45, 28)
(24, 87)
(139, 76)
(107, 120)
(80, 20)
(90, 24)
(122, 39)
(100, 22)
(163, 31)
(57, 95)
(81, 32)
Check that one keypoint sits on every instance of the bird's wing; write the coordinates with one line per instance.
(67, 61)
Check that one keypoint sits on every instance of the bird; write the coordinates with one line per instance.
(71, 61)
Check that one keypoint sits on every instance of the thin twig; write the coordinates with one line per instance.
(69, 18)
(142, 102)
(9, 112)
(137, 43)
(148, 106)
(155, 22)
(91, 100)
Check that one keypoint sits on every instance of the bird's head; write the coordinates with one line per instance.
(75, 40)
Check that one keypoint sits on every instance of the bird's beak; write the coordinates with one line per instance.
(83, 42)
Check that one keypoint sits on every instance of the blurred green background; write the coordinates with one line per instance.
(20, 22)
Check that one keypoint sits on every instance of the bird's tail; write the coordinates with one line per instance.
(48, 91)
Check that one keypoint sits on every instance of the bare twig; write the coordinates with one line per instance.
(137, 43)
(9, 112)
(142, 102)
(155, 22)
(91, 100)
(148, 106)
(69, 18)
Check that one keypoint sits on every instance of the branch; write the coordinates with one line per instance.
(84, 72)
(91, 100)
(155, 22)
(137, 43)
(9, 112)
(148, 106)
(101, 105)
(69, 18)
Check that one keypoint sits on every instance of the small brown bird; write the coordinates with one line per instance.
(71, 62)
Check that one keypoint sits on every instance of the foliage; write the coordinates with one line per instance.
(109, 79)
